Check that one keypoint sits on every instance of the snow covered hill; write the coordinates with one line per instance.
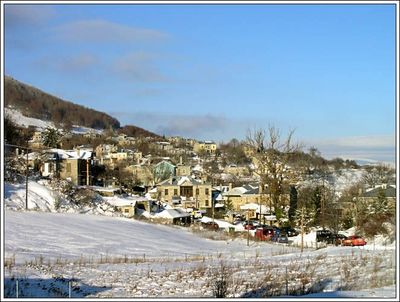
(40, 125)
(61, 255)
(42, 198)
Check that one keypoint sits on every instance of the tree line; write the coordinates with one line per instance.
(35, 103)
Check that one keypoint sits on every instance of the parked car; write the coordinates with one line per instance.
(290, 231)
(248, 226)
(325, 236)
(338, 239)
(256, 223)
(280, 238)
(263, 233)
(354, 241)
(210, 225)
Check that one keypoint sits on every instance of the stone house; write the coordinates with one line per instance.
(208, 146)
(185, 191)
(74, 166)
(249, 194)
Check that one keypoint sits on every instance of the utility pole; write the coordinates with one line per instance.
(26, 181)
(87, 172)
(248, 228)
(212, 203)
(302, 228)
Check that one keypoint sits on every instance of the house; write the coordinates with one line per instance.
(104, 149)
(165, 146)
(36, 141)
(182, 169)
(142, 174)
(130, 206)
(72, 165)
(253, 211)
(389, 191)
(206, 146)
(237, 170)
(175, 216)
(250, 194)
(163, 170)
(185, 191)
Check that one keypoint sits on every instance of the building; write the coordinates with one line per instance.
(249, 194)
(74, 166)
(207, 146)
(185, 191)
(163, 170)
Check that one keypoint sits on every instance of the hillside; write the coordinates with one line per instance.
(35, 103)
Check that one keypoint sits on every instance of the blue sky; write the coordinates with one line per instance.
(216, 71)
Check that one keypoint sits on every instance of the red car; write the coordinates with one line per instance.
(249, 226)
(264, 233)
(354, 241)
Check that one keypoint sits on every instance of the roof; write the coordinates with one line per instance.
(255, 207)
(390, 191)
(164, 162)
(179, 181)
(172, 213)
(128, 201)
(71, 154)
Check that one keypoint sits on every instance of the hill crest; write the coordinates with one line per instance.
(35, 103)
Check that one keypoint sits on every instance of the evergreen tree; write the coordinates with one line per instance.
(293, 203)
(380, 205)
(316, 200)
(51, 138)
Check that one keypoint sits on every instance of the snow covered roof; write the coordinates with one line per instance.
(197, 168)
(221, 223)
(180, 180)
(390, 191)
(255, 207)
(127, 201)
(219, 197)
(72, 154)
(172, 213)
(236, 191)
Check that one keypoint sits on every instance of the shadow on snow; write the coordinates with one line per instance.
(57, 287)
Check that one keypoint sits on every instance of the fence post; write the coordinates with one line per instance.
(16, 288)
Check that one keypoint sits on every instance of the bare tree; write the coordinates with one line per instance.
(270, 155)
(379, 174)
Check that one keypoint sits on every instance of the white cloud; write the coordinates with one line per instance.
(140, 66)
(103, 31)
(72, 63)
(374, 148)
(205, 126)
(373, 141)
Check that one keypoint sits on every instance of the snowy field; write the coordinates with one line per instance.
(61, 255)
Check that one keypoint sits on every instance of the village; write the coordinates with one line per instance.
(181, 181)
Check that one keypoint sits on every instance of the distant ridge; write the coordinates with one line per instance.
(35, 103)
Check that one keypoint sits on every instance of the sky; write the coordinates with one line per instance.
(217, 71)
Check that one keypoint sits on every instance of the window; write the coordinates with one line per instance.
(175, 192)
(166, 192)
(207, 203)
(69, 167)
(126, 210)
(206, 191)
